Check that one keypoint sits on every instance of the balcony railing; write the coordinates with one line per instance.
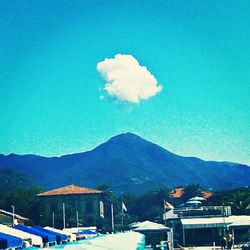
(202, 211)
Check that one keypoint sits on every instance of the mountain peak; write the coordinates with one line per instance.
(128, 139)
(128, 136)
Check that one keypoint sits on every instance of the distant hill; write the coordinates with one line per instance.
(128, 163)
(11, 179)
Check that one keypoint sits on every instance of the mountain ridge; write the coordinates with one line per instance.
(118, 136)
(128, 163)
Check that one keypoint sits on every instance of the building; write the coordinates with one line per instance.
(205, 225)
(6, 218)
(72, 206)
(212, 228)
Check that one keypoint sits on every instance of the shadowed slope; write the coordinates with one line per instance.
(129, 163)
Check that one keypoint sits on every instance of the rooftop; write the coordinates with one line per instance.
(69, 190)
(176, 193)
(207, 194)
(18, 217)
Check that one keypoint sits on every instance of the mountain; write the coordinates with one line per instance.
(128, 163)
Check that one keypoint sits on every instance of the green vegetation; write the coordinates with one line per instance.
(238, 199)
(148, 206)
(25, 201)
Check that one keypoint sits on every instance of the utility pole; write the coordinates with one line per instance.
(63, 208)
(112, 218)
(122, 208)
(164, 212)
(224, 229)
(13, 215)
(122, 219)
(77, 217)
(53, 219)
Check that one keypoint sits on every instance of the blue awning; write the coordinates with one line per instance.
(47, 238)
(59, 237)
(86, 232)
(8, 241)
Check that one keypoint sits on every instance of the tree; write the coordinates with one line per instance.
(106, 189)
(25, 201)
(150, 205)
(238, 199)
(191, 191)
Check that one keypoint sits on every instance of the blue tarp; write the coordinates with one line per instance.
(59, 237)
(3, 243)
(8, 241)
(47, 238)
(86, 232)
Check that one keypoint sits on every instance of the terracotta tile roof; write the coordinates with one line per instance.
(71, 189)
(176, 193)
(207, 194)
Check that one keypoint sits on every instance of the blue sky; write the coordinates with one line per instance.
(197, 50)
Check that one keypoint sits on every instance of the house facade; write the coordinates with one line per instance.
(72, 206)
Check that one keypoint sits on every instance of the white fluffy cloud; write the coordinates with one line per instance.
(127, 80)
